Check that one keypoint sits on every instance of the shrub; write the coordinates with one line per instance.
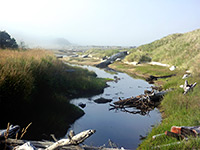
(6, 41)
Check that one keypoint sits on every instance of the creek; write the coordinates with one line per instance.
(122, 128)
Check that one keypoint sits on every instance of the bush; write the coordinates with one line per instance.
(144, 58)
(6, 41)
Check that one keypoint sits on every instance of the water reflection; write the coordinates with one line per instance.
(121, 127)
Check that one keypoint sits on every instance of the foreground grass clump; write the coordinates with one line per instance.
(36, 87)
(179, 110)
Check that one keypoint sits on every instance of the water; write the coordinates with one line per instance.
(124, 129)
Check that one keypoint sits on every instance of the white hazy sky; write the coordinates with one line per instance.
(99, 22)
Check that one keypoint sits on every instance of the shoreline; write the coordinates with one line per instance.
(176, 109)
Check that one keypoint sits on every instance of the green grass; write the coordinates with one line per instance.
(176, 109)
(154, 70)
(99, 53)
(177, 49)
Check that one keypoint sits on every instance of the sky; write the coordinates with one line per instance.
(98, 22)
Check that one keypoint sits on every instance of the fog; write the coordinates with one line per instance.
(97, 22)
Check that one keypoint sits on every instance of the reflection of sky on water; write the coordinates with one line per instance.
(122, 128)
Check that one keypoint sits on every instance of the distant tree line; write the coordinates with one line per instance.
(6, 41)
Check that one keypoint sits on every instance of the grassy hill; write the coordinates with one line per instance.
(182, 50)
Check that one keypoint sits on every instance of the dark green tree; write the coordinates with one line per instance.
(6, 41)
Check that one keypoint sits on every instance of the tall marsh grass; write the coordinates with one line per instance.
(36, 87)
(37, 72)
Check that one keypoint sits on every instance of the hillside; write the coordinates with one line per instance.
(181, 50)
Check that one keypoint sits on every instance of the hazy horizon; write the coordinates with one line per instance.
(98, 22)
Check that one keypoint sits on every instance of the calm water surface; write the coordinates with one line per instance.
(124, 129)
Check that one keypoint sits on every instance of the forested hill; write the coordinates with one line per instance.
(182, 50)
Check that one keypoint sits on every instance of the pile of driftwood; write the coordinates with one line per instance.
(144, 103)
(67, 143)
(8, 141)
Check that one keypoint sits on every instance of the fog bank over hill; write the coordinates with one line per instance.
(43, 42)
(53, 42)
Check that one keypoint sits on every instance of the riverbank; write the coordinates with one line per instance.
(37, 87)
(177, 109)
(106, 120)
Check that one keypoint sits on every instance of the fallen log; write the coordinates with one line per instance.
(41, 145)
(75, 140)
(47, 145)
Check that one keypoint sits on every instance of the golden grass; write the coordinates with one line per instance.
(16, 69)
(24, 130)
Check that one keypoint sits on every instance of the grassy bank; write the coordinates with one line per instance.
(177, 49)
(177, 109)
(36, 87)
(183, 51)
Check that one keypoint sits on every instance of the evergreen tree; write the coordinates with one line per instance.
(6, 41)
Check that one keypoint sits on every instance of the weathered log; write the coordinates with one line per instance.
(41, 145)
(113, 58)
(11, 131)
(26, 146)
(75, 140)
(38, 144)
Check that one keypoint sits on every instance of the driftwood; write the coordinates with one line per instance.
(145, 102)
(41, 145)
(151, 97)
(72, 140)
(11, 131)
(113, 58)
(125, 109)
(187, 87)
(47, 145)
